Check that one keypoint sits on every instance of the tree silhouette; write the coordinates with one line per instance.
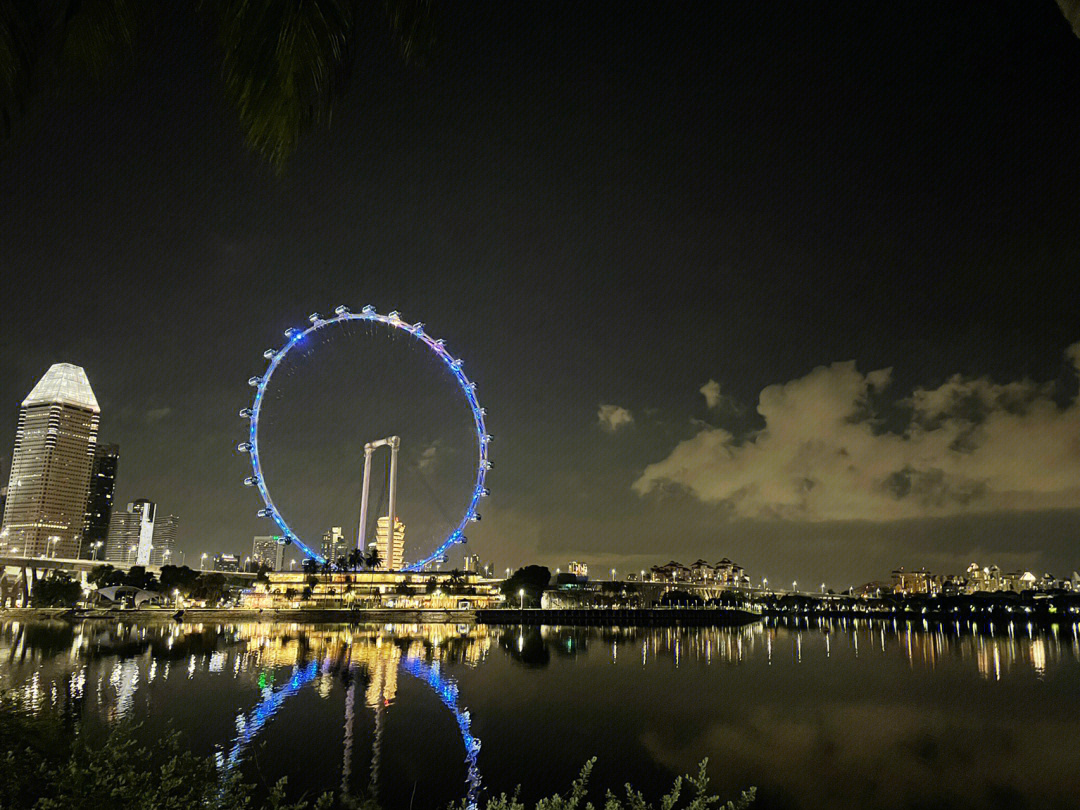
(284, 64)
(373, 559)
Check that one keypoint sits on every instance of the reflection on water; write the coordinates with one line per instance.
(841, 713)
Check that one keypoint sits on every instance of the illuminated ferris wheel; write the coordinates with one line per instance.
(295, 338)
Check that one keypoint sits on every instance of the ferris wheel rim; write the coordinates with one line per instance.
(295, 336)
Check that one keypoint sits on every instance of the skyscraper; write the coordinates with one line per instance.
(131, 534)
(99, 502)
(50, 466)
(266, 550)
(390, 555)
(164, 550)
(333, 544)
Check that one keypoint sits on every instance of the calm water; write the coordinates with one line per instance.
(866, 715)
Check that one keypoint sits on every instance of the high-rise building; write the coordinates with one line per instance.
(333, 544)
(472, 564)
(164, 550)
(50, 466)
(131, 534)
(390, 555)
(226, 562)
(99, 501)
(266, 550)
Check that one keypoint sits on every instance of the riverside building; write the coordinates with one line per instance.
(131, 534)
(99, 501)
(391, 554)
(266, 550)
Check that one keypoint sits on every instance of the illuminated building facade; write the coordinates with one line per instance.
(267, 551)
(131, 534)
(164, 550)
(333, 544)
(50, 466)
(99, 501)
(227, 563)
(578, 568)
(391, 554)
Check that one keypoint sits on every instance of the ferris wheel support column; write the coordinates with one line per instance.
(361, 530)
(391, 533)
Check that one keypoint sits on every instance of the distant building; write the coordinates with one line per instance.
(99, 501)
(50, 466)
(164, 551)
(392, 554)
(226, 563)
(266, 550)
(472, 564)
(131, 534)
(578, 568)
(333, 544)
(918, 581)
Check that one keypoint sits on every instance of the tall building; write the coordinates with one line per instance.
(131, 534)
(390, 557)
(266, 550)
(333, 544)
(99, 502)
(471, 564)
(50, 466)
(164, 550)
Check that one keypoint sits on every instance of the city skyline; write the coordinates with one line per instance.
(659, 252)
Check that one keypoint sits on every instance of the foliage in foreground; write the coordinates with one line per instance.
(44, 766)
(697, 796)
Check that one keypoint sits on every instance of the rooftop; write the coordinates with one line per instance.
(65, 384)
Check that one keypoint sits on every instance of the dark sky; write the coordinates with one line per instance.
(608, 208)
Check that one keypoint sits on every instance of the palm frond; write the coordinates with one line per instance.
(1071, 10)
(284, 64)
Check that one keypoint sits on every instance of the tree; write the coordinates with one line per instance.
(178, 578)
(403, 589)
(373, 558)
(356, 559)
(532, 579)
(310, 566)
(284, 65)
(104, 576)
(210, 588)
(138, 577)
(56, 590)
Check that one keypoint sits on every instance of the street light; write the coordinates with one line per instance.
(794, 585)
(292, 565)
(52, 545)
(202, 562)
(96, 546)
(521, 594)
(612, 574)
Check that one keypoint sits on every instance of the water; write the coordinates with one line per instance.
(855, 714)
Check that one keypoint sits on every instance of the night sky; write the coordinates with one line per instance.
(677, 251)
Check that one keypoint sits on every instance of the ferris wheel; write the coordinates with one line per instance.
(296, 337)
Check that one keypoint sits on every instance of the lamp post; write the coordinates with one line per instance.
(794, 585)
(95, 546)
(52, 545)
(202, 562)
(521, 595)
(612, 574)
(247, 564)
(292, 565)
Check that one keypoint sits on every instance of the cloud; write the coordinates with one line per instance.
(967, 445)
(711, 392)
(157, 414)
(427, 456)
(613, 417)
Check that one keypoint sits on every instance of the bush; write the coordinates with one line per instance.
(634, 800)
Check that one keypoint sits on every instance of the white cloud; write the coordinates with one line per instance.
(711, 392)
(427, 456)
(613, 417)
(157, 414)
(968, 445)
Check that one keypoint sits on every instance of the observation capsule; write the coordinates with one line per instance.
(341, 310)
(244, 447)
